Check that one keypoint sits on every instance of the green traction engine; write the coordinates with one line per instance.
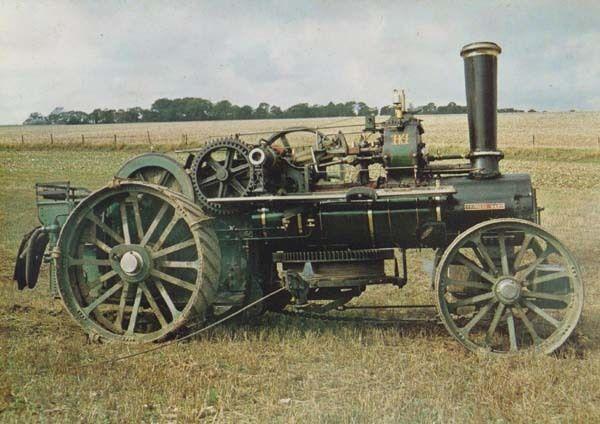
(170, 244)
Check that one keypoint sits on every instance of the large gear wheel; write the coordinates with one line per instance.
(222, 169)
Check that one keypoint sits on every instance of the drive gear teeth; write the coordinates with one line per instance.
(236, 150)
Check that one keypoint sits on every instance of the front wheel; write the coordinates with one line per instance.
(508, 286)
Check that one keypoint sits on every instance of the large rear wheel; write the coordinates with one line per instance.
(137, 262)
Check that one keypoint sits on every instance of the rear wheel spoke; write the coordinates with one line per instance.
(168, 301)
(122, 304)
(125, 223)
(154, 305)
(173, 280)
(135, 309)
(107, 230)
(155, 222)
(99, 300)
(174, 248)
(166, 232)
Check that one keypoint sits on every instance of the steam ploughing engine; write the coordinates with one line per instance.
(170, 244)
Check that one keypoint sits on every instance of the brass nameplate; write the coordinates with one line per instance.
(485, 206)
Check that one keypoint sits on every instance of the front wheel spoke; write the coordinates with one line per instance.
(482, 250)
(468, 284)
(134, 311)
(528, 325)
(522, 250)
(478, 316)
(178, 264)
(154, 305)
(474, 267)
(125, 223)
(564, 298)
(154, 224)
(494, 324)
(512, 332)
(109, 231)
(168, 301)
(503, 255)
(173, 280)
(176, 247)
(529, 268)
(472, 300)
(539, 311)
(102, 298)
(549, 277)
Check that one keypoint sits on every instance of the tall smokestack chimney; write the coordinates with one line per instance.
(481, 68)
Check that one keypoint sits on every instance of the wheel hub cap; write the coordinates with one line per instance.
(131, 263)
(508, 290)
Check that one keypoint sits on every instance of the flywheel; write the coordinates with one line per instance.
(222, 169)
(160, 169)
(135, 262)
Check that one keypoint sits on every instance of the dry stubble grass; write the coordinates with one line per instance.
(329, 372)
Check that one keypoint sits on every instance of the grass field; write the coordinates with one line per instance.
(283, 369)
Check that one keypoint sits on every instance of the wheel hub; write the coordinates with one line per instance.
(131, 263)
(508, 290)
(222, 174)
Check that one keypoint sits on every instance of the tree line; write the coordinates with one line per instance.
(199, 109)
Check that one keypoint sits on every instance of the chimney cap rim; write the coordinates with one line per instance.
(480, 48)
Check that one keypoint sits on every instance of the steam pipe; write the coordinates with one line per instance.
(481, 68)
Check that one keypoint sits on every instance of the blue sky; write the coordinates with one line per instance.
(119, 54)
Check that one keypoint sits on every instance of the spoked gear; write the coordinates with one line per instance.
(220, 169)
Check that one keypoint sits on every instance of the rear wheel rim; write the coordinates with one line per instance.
(508, 286)
(130, 264)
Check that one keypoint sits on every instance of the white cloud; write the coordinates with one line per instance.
(115, 54)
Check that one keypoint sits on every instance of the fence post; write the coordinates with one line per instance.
(533, 139)
(82, 140)
(51, 139)
(115, 140)
(22, 139)
(599, 141)
(186, 140)
(149, 141)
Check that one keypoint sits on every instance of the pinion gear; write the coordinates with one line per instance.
(222, 169)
